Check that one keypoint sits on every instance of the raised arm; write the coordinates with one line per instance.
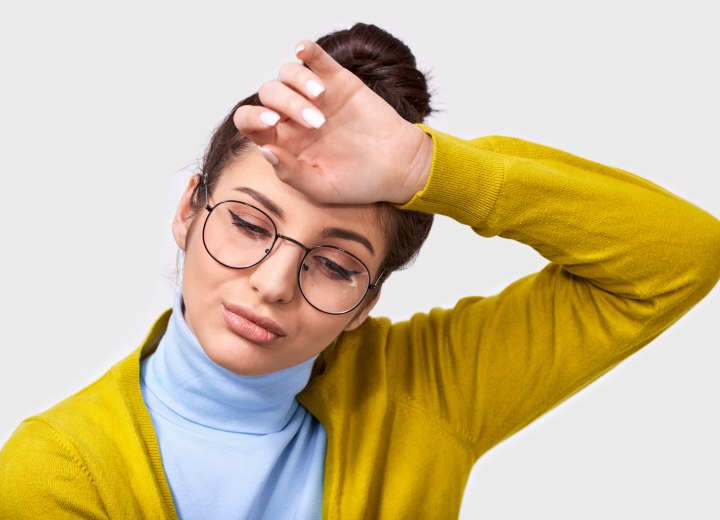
(627, 259)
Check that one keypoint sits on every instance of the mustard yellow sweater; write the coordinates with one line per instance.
(409, 407)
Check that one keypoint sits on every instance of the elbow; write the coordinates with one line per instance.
(704, 270)
(713, 261)
(691, 264)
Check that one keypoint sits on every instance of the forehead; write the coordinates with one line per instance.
(301, 215)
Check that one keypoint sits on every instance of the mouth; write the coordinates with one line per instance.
(251, 326)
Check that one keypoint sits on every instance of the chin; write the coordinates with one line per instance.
(245, 358)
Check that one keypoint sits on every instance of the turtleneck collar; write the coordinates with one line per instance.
(194, 388)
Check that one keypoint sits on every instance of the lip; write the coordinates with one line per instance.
(250, 325)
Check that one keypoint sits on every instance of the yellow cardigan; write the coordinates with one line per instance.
(409, 407)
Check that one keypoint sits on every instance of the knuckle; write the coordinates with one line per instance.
(283, 174)
(297, 105)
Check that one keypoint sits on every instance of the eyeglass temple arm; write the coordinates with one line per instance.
(377, 280)
(204, 181)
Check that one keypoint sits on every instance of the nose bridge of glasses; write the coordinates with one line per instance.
(296, 242)
(274, 249)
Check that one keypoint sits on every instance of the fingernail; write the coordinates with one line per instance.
(313, 117)
(269, 156)
(269, 118)
(314, 88)
(299, 48)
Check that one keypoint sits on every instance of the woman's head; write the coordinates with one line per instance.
(233, 169)
(388, 67)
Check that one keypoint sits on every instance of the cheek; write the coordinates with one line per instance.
(193, 262)
(319, 330)
(200, 277)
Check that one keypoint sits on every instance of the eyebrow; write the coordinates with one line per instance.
(262, 199)
(330, 232)
(348, 235)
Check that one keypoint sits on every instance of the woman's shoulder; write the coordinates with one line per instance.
(101, 405)
(106, 412)
(87, 451)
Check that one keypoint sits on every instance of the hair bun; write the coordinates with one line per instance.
(383, 63)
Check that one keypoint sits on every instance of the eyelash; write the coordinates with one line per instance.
(335, 270)
(247, 227)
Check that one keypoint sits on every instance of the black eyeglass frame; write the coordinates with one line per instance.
(303, 266)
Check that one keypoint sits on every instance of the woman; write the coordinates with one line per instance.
(312, 193)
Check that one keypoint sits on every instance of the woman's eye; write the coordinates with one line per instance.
(335, 270)
(249, 228)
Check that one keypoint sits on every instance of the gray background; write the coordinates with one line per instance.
(106, 108)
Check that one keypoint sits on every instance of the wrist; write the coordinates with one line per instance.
(418, 169)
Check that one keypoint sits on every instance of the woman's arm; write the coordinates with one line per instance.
(627, 259)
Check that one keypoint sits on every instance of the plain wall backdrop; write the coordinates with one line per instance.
(105, 109)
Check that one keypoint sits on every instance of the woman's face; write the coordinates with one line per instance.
(255, 321)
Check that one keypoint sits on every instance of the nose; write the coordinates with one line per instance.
(275, 278)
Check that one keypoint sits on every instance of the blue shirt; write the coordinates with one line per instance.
(232, 446)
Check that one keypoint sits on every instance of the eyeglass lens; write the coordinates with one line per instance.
(239, 235)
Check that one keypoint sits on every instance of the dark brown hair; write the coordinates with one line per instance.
(388, 67)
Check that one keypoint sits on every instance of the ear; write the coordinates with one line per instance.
(184, 213)
(364, 311)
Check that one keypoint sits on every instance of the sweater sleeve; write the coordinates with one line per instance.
(626, 259)
(42, 476)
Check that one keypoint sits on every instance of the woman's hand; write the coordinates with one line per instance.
(331, 137)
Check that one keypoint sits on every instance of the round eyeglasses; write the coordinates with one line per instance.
(239, 235)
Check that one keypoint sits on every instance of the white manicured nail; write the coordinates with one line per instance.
(269, 118)
(269, 156)
(299, 48)
(313, 117)
(314, 88)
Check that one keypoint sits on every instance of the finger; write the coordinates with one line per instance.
(316, 58)
(301, 79)
(253, 118)
(298, 174)
(286, 101)
(256, 122)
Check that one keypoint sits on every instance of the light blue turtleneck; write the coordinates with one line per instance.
(232, 446)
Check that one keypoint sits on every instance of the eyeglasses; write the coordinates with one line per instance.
(238, 235)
